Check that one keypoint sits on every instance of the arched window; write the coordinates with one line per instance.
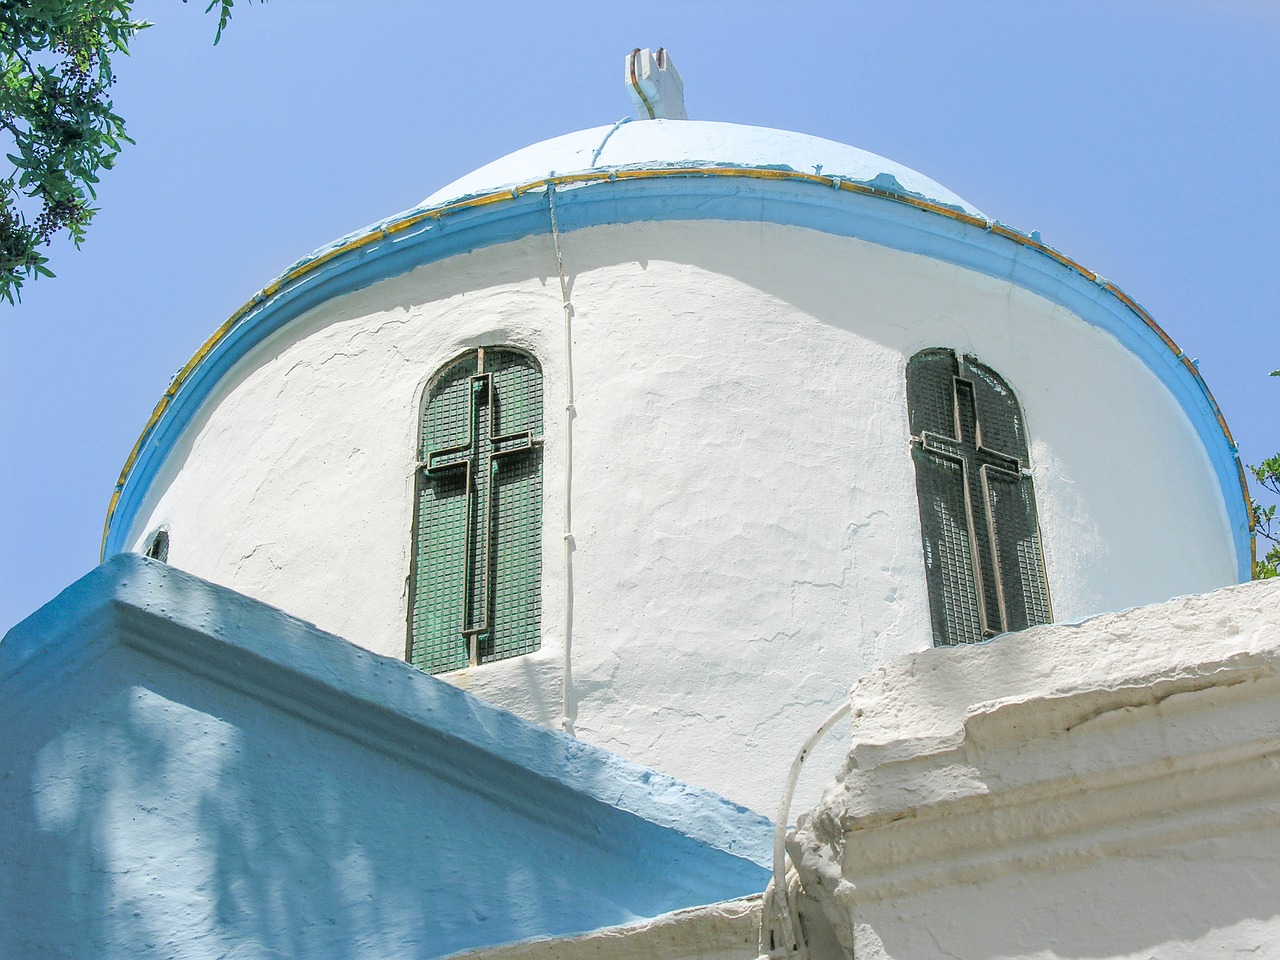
(475, 588)
(982, 555)
(158, 545)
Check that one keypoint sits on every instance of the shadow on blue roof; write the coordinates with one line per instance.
(188, 772)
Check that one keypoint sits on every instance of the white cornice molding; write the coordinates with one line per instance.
(1042, 751)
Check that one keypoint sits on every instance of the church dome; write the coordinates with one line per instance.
(670, 430)
(685, 144)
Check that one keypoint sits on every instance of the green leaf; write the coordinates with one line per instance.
(55, 99)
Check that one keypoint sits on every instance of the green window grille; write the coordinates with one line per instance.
(475, 589)
(982, 553)
(158, 546)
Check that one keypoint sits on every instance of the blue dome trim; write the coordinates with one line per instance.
(872, 211)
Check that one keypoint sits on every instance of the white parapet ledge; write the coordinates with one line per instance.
(719, 931)
(1054, 747)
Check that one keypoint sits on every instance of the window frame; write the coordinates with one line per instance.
(428, 472)
(985, 575)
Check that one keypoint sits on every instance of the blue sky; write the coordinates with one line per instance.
(1141, 138)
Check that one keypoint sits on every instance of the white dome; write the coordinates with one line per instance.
(655, 144)
(742, 499)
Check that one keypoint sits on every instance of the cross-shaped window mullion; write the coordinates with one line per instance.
(985, 473)
(966, 449)
(984, 566)
(479, 457)
(512, 443)
(469, 457)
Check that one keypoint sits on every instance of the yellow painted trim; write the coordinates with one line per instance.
(512, 193)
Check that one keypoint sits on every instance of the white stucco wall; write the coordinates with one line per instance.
(747, 536)
(1212, 897)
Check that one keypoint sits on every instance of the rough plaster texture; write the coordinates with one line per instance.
(747, 536)
(1106, 789)
(187, 772)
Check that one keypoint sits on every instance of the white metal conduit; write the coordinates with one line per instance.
(566, 686)
(778, 935)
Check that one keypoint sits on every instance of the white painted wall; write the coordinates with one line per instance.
(744, 502)
(1202, 898)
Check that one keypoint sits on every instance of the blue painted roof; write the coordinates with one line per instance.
(191, 772)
